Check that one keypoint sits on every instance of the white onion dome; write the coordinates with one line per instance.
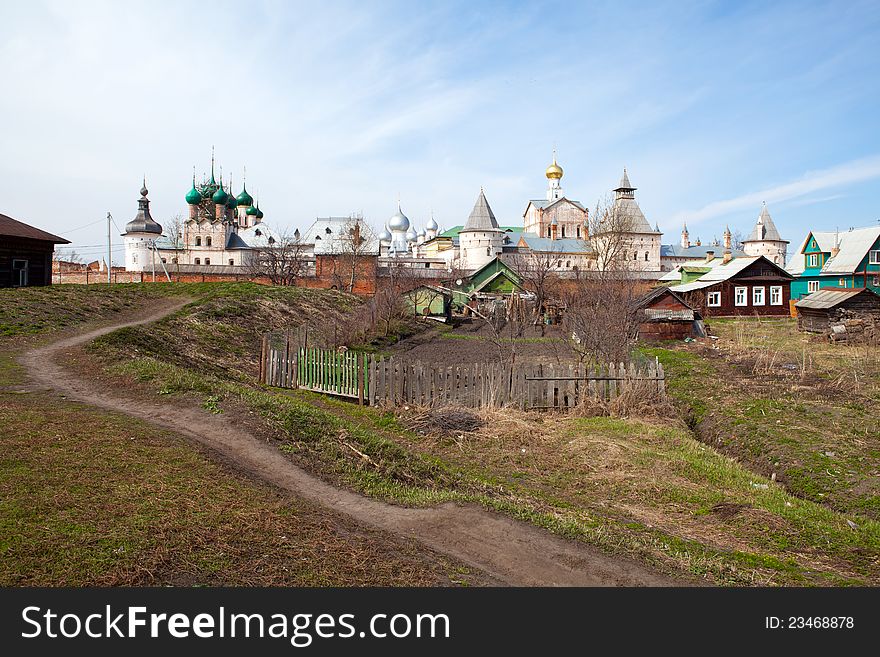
(432, 225)
(411, 235)
(385, 235)
(421, 232)
(398, 221)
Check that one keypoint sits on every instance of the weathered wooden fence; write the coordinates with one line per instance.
(396, 381)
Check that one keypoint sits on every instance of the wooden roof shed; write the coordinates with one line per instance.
(25, 253)
(817, 311)
(665, 315)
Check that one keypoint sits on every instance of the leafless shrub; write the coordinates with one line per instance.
(444, 421)
(283, 261)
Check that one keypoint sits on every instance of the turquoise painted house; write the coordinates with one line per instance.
(849, 259)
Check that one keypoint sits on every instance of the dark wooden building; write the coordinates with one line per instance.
(818, 310)
(25, 254)
(750, 285)
(665, 315)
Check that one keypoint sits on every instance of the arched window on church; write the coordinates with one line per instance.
(548, 231)
(636, 255)
(488, 251)
(198, 261)
(198, 241)
(563, 231)
(207, 241)
(207, 261)
(578, 231)
(646, 256)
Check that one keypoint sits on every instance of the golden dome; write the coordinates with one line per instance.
(554, 171)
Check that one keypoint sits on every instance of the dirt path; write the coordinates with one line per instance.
(510, 551)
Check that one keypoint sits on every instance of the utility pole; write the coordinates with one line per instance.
(109, 251)
(153, 259)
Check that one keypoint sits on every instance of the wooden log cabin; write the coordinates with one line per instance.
(750, 285)
(665, 315)
(817, 311)
(25, 253)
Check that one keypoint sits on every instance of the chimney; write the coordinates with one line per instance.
(835, 250)
(710, 256)
(727, 256)
(553, 227)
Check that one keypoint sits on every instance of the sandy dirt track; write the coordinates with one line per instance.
(510, 552)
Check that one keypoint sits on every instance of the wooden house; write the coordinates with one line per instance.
(848, 259)
(665, 315)
(819, 310)
(494, 279)
(749, 285)
(429, 301)
(25, 254)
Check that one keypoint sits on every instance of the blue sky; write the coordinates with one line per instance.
(337, 107)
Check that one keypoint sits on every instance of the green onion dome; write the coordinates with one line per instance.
(220, 196)
(230, 202)
(259, 213)
(251, 211)
(245, 199)
(193, 196)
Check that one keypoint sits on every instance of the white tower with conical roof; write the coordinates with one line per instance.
(765, 240)
(481, 240)
(140, 237)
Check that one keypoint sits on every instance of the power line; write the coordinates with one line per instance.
(72, 230)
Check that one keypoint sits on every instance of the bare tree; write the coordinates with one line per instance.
(283, 260)
(539, 271)
(601, 316)
(174, 232)
(352, 248)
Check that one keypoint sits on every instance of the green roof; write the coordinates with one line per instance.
(455, 230)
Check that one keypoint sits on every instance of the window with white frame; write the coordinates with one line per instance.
(758, 296)
(874, 257)
(714, 300)
(813, 260)
(741, 296)
(841, 282)
(812, 286)
(775, 295)
(876, 281)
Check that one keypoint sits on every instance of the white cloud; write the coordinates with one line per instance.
(813, 181)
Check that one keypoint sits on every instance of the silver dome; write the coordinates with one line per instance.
(411, 235)
(385, 235)
(420, 232)
(398, 221)
(432, 225)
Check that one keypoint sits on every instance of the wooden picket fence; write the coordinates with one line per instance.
(397, 382)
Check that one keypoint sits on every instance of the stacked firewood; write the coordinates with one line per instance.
(851, 326)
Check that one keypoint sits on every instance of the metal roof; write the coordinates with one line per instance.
(13, 228)
(694, 251)
(718, 273)
(830, 297)
(765, 229)
(543, 203)
(325, 234)
(854, 246)
(481, 217)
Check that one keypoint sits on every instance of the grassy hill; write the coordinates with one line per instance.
(646, 487)
(90, 497)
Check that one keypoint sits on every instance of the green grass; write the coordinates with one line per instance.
(824, 445)
(646, 489)
(93, 498)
